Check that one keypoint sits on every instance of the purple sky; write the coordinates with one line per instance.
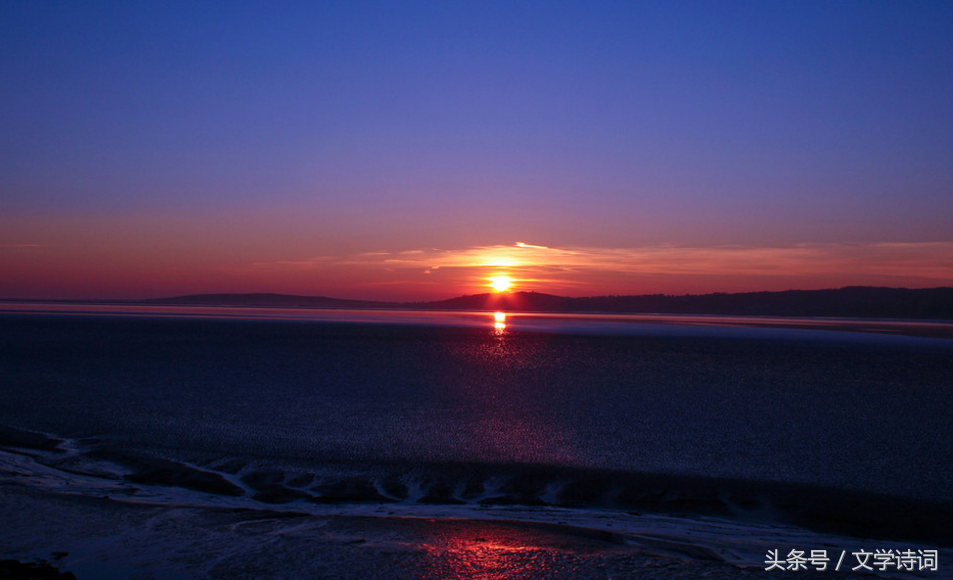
(402, 150)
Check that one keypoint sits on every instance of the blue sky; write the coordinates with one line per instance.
(198, 139)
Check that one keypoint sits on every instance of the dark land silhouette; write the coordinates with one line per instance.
(848, 302)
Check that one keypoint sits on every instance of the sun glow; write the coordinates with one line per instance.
(501, 283)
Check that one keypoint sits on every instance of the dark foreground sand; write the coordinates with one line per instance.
(104, 538)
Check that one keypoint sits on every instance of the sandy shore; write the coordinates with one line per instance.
(104, 538)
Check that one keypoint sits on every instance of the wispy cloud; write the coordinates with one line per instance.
(591, 268)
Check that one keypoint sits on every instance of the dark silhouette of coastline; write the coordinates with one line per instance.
(848, 302)
(267, 300)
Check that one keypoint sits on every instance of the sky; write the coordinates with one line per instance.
(412, 150)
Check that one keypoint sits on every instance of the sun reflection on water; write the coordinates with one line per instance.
(499, 322)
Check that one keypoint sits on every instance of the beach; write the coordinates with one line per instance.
(237, 447)
(98, 538)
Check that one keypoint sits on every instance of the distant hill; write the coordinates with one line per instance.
(510, 301)
(268, 300)
(850, 302)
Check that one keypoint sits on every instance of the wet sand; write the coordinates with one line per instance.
(104, 538)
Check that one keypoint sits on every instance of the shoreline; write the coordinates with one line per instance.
(141, 476)
(111, 527)
(98, 538)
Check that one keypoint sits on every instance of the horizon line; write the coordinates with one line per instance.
(489, 293)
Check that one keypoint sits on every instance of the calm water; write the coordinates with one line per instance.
(444, 409)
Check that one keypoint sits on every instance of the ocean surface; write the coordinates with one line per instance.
(747, 434)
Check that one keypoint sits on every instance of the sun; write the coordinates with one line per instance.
(501, 283)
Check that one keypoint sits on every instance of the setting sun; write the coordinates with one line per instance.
(500, 283)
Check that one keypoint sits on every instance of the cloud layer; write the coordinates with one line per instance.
(587, 271)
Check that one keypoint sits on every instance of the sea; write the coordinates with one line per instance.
(226, 442)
